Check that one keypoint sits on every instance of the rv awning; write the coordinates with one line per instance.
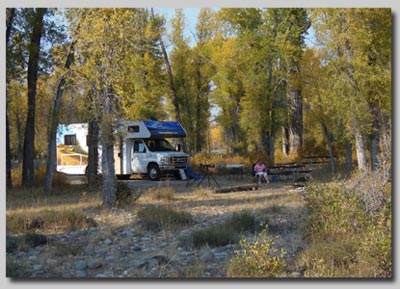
(165, 129)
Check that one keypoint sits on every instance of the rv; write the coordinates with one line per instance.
(142, 147)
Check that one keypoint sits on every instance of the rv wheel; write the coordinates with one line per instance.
(154, 172)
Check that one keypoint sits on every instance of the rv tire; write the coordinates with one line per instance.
(154, 172)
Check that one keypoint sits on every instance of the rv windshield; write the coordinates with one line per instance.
(159, 145)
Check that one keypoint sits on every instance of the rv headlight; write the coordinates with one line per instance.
(164, 161)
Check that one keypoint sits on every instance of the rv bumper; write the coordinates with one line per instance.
(171, 168)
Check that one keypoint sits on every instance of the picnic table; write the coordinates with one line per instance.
(288, 169)
(311, 160)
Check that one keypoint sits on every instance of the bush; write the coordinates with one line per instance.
(48, 221)
(257, 260)
(223, 234)
(156, 219)
(214, 236)
(350, 229)
(243, 221)
(165, 193)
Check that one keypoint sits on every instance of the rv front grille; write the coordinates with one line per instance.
(179, 160)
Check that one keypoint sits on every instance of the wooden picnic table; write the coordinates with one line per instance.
(289, 169)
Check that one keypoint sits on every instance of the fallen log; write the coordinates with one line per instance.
(249, 187)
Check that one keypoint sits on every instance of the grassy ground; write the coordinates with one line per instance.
(335, 229)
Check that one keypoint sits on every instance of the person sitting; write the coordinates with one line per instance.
(260, 171)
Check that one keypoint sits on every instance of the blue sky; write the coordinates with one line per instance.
(191, 21)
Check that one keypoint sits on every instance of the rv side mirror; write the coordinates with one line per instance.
(178, 147)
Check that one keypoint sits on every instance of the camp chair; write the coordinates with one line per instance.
(192, 179)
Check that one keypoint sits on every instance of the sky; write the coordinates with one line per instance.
(191, 21)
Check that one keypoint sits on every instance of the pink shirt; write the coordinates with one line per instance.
(259, 168)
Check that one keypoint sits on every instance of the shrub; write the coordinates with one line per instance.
(156, 219)
(350, 229)
(223, 234)
(214, 236)
(257, 260)
(48, 221)
(125, 195)
(161, 193)
(243, 221)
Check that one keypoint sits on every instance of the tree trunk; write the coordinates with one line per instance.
(329, 141)
(285, 141)
(374, 145)
(33, 67)
(349, 157)
(295, 120)
(20, 140)
(51, 166)
(10, 17)
(93, 158)
(360, 150)
(107, 156)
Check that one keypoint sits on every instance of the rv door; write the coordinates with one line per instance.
(138, 157)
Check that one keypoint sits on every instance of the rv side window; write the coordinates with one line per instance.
(139, 147)
(70, 140)
(133, 129)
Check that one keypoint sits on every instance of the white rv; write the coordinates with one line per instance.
(143, 147)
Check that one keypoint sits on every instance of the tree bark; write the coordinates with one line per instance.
(10, 18)
(285, 141)
(374, 144)
(349, 157)
(51, 166)
(107, 156)
(329, 141)
(295, 120)
(33, 68)
(360, 150)
(93, 159)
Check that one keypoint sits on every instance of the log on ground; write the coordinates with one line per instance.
(249, 187)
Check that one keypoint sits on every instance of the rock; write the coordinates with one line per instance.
(185, 254)
(150, 262)
(221, 256)
(80, 265)
(206, 257)
(81, 274)
(37, 267)
(51, 262)
(110, 258)
(295, 275)
(94, 265)
(107, 242)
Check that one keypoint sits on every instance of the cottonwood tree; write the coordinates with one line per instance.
(357, 44)
(10, 17)
(52, 145)
(117, 47)
(36, 22)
